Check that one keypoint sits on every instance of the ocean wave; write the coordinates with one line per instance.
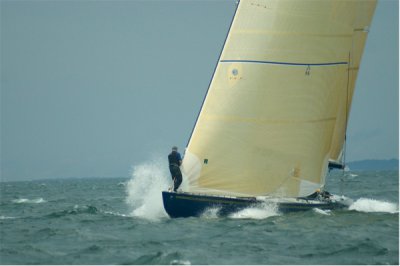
(122, 184)
(117, 214)
(321, 211)
(30, 201)
(86, 209)
(2, 217)
(44, 233)
(180, 262)
(174, 258)
(372, 205)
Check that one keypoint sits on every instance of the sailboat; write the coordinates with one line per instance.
(273, 122)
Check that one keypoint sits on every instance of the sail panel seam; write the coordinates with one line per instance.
(284, 63)
(288, 33)
(265, 121)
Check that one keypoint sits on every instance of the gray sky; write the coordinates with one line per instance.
(90, 88)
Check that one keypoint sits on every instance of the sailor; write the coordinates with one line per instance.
(175, 160)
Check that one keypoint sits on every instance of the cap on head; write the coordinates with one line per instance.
(174, 148)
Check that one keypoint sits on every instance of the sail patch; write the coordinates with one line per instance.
(234, 74)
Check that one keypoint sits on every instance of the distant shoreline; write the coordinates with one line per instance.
(391, 164)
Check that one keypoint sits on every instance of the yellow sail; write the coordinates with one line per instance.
(277, 107)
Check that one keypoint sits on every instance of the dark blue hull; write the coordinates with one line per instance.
(187, 204)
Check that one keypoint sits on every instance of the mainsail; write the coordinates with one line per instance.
(277, 107)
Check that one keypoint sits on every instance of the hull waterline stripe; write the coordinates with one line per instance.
(214, 200)
(284, 63)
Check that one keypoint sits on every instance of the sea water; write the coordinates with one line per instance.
(122, 221)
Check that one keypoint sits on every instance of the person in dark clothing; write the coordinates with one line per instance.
(175, 160)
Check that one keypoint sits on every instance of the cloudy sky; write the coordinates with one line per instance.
(91, 88)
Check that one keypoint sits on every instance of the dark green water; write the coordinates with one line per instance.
(121, 221)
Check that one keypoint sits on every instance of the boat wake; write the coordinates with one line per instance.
(144, 189)
(371, 205)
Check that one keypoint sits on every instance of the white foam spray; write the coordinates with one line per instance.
(210, 213)
(180, 262)
(262, 211)
(31, 201)
(116, 214)
(2, 217)
(321, 211)
(371, 205)
(144, 189)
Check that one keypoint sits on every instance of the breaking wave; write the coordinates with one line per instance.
(371, 205)
(30, 201)
(2, 217)
(144, 189)
(116, 214)
(76, 210)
